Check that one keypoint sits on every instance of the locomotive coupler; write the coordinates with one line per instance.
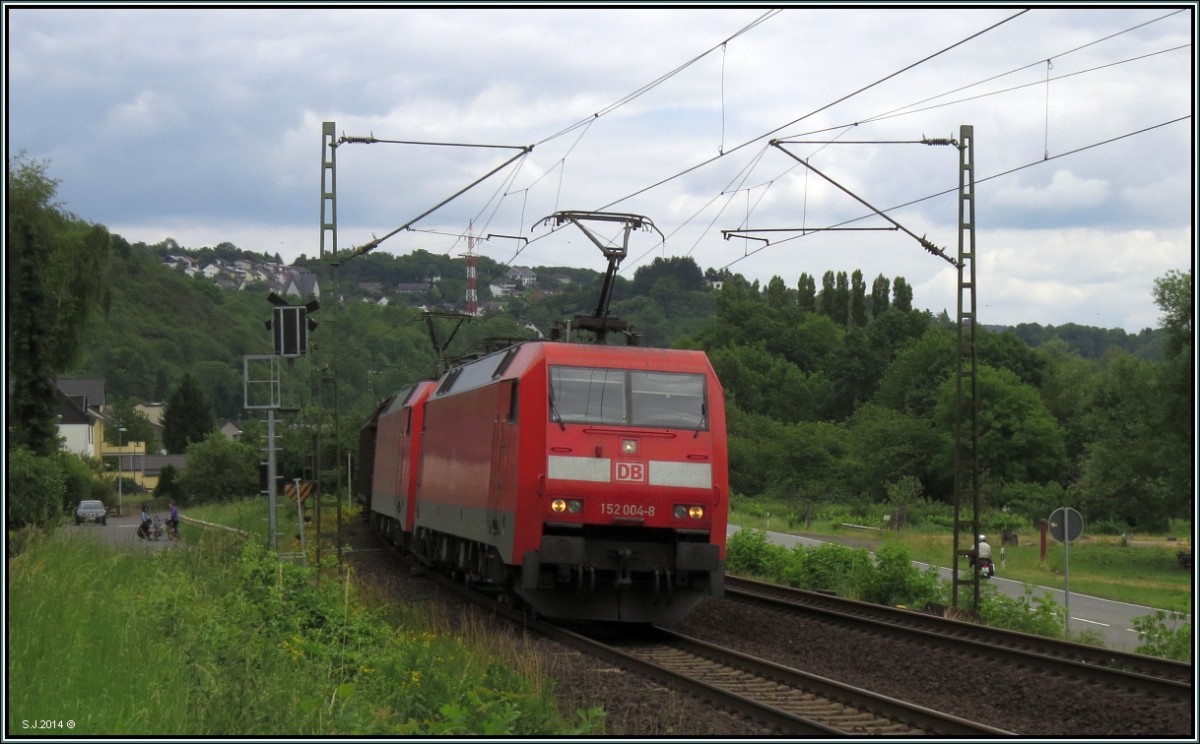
(662, 582)
(624, 573)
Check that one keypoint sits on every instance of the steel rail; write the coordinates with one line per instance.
(1159, 677)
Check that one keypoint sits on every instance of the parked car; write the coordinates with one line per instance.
(91, 511)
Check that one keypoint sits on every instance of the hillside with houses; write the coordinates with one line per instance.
(424, 281)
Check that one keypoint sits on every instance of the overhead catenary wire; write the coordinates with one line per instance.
(663, 78)
(901, 110)
(637, 93)
(818, 110)
(888, 114)
(978, 181)
(588, 121)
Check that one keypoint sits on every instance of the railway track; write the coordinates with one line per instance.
(792, 701)
(1157, 677)
(788, 700)
(1032, 702)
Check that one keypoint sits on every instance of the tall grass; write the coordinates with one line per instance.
(223, 639)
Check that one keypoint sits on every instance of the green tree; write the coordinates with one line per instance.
(219, 469)
(841, 300)
(76, 278)
(187, 417)
(32, 232)
(902, 295)
(777, 293)
(889, 446)
(858, 300)
(807, 293)
(794, 461)
(910, 383)
(682, 269)
(1008, 351)
(879, 295)
(1019, 441)
(137, 427)
(1135, 469)
(221, 385)
(31, 421)
(761, 382)
(70, 255)
(827, 296)
(856, 370)
(1068, 383)
(1173, 293)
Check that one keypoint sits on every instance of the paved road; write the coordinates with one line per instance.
(122, 531)
(1112, 620)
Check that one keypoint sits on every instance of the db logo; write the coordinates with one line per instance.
(630, 471)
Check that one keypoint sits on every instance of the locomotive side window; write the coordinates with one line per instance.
(593, 395)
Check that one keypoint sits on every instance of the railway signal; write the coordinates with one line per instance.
(291, 325)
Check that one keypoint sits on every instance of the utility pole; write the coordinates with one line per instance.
(327, 474)
(966, 397)
(966, 381)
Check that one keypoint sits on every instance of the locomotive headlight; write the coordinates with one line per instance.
(628, 446)
(683, 510)
(574, 506)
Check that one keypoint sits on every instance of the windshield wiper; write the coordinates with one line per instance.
(554, 411)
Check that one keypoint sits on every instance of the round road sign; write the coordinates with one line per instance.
(1066, 524)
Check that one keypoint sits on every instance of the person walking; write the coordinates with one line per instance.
(173, 521)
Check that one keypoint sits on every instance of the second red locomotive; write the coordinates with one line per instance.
(589, 481)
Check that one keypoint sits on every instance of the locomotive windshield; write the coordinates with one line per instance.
(593, 395)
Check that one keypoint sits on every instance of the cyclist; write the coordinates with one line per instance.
(143, 530)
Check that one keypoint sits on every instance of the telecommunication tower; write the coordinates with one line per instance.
(472, 295)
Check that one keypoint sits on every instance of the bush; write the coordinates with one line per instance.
(749, 552)
(104, 489)
(836, 568)
(36, 489)
(219, 469)
(1028, 614)
(931, 514)
(77, 479)
(896, 580)
(168, 485)
(1156, 639)
(1031, 501)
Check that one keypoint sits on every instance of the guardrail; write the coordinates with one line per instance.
(861, 527)
(193, 520)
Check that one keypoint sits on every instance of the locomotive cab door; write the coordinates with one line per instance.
(503, 439)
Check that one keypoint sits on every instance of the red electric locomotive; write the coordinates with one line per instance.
(589, 481)
(392, 438)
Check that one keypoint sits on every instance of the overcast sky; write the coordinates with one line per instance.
(205, 125)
